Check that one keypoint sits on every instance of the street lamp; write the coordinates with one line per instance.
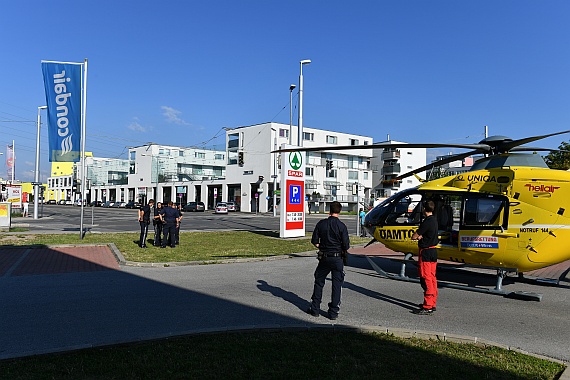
(300, 136)
(37, 172)
(291, 88)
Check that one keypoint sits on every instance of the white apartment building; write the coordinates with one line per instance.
(253, 172)
(389, 163)
(162, 172)
(247, 172)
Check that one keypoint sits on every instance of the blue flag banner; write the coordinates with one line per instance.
(62, 82)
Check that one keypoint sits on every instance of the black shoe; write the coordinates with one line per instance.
(423, 311)
(421, 306)
(312, 312)
(332, 317)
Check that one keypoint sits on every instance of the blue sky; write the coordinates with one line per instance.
(177, 72)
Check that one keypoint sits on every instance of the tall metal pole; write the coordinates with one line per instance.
(291, 88)
(275, 175)
(37, 171)
(83, 137)
(300, 135)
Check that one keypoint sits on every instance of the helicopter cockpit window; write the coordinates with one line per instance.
(406, 210)
(482, 212)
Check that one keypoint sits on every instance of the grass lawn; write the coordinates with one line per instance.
(193, 246)
(280, 355)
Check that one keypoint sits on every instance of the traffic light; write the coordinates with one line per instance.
(77, 186)
(328, 165)
(240, 158)
(331, 165)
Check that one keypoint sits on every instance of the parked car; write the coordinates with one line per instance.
(108, 204)
(132, 204)
(232, 206)
(194, 206)
(69, 202)
(95, 204)
(61, 202)
(78, 202)
(221, 208)
(116, 204)
(51, 202)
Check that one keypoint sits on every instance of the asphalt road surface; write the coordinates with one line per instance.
(51, 311)
(56, 218)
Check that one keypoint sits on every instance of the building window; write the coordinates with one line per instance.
(199, 155)
(219, 156)
(180, 153)
(331, 173)
(365, 176)
(410, 153)
(331, 139)
(366, 143)
(283, 132)
(309, 172)
(352, 174)
(353, 142)
(307, 136)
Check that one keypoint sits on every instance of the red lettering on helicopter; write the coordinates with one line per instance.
(542, 188)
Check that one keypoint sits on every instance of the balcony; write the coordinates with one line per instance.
(391, 169)
(391, 155)
(391, 184)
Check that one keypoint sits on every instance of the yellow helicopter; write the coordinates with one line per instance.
(510, 212)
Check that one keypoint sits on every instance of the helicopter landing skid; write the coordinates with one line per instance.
(498, 290)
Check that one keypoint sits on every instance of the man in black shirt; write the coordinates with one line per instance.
(144, 221)
(427, 238)
(331, 238)
(171, 219)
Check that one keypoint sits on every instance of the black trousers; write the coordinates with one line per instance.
(144, 233)
(157, 234)
(335, 266)
(169, 234)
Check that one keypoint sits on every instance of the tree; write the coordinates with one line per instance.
(559, 159)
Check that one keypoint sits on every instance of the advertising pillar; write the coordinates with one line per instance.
(292, 218)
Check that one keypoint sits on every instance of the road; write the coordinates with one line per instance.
(48, 312)
(56, 218)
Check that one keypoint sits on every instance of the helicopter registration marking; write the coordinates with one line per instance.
(479, 242)
(396, 234)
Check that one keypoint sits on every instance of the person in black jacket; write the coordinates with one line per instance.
(144, 221)
(157, 223)
(170, 217)
(331, 238)
(427, 238)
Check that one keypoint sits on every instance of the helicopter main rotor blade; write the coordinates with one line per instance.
(535, 149)
(482, 147)
(509, 145)
(455, 157)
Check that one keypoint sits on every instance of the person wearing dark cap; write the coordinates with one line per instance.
(331, 238)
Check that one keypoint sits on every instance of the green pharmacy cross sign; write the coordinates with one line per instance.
(295, 160)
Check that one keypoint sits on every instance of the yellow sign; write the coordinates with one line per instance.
(3, 210)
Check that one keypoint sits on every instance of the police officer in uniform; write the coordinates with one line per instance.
(331, 238)
(144, 221)
(170, 218)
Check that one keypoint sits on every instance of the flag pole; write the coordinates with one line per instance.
(84, 109)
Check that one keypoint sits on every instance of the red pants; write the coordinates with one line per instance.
(428, 281)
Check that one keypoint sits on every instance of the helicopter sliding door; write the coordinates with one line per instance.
(482, 216)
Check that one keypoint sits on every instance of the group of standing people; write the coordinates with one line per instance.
(331, 238)
(166, 222)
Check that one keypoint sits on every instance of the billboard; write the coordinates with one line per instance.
(292, 219)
